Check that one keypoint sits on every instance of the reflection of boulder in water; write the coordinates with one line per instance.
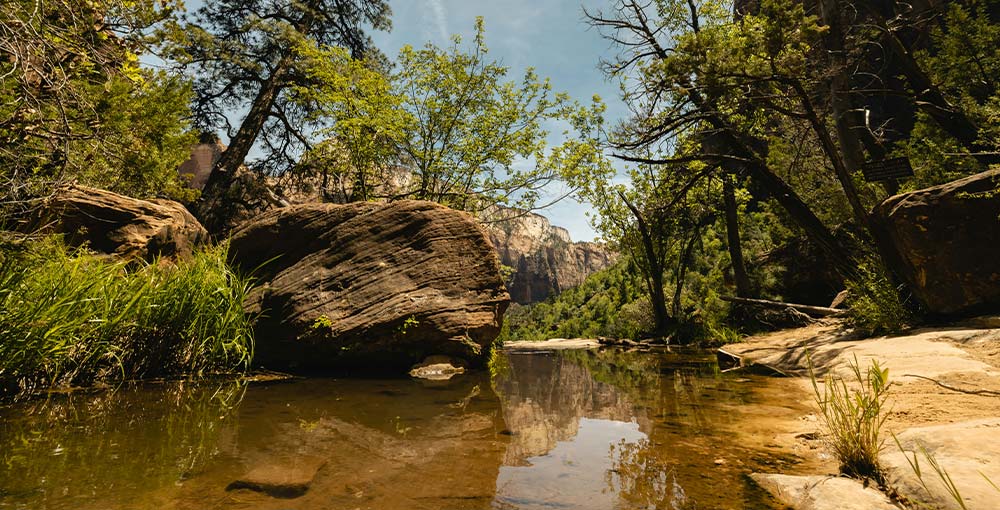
(393, 444)
(545, 396)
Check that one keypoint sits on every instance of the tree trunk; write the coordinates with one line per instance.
(240, 145)
(839, 257)
(833, 154)
(840, 87)
(930, 99)
(682, 268)
(654, 267)
(735, 247)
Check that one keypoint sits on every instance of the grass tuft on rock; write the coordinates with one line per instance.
(854, 416)
(69, 317)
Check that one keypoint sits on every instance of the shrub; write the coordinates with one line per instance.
(69, 317)
(875, 303)
(854, 419)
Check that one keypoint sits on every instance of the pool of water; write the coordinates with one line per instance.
(548, 430)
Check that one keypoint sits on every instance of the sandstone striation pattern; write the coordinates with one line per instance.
(370, 286)
(119, 225)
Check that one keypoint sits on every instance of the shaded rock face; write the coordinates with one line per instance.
(946, 243)
(544, 258)
(118, 225)
(370, 285)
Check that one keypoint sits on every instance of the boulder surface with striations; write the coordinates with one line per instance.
(370, 286)
(945, 242)
(115, 224)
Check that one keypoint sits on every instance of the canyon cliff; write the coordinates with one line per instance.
(544, 259)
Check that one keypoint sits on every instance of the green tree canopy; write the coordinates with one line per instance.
(76, 105)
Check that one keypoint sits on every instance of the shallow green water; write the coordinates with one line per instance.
(580, 429)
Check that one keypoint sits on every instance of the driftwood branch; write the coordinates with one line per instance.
(816, 311)
(953, 388)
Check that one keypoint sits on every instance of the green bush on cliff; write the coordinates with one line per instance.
(69, 317)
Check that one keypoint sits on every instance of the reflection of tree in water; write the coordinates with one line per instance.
(689, 423)
(114, 442)
(679, 387)
(642, 480)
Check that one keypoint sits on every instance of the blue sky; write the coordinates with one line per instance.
(549, 35)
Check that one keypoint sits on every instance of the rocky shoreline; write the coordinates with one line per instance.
(943, 399)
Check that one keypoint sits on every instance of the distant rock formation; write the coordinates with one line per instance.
(370, 286)
(544, 258)
(946, 243)
(118, 225)
(199, 166)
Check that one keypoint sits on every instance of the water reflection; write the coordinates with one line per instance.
(613, 429)
(578, 429)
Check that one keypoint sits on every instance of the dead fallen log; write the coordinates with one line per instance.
(815, 311)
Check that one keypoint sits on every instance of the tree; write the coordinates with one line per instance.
(76, 105)
(657, 219)
(366, 124)
(475, 140)
(682, 64)
(449, 120)
(246, 54)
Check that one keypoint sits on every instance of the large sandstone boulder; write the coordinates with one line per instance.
(946, 243)
(119, 225)
(370, 285)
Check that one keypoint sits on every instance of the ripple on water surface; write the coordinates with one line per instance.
(575, 429)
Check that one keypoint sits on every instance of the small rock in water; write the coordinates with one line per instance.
(437, 368)
(288, 479)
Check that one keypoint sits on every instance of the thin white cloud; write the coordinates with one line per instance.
(440, 18)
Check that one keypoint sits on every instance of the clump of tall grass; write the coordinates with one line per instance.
(875, 304)
(854, 418)
(68, 317)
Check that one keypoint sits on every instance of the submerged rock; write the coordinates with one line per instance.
(115, 224)
(286, 479)
(438, 368)
(946, 243)
(369, 285)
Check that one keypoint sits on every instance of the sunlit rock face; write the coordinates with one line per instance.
(368, 286)
(119, 225)
(544, 258)
(198, 167)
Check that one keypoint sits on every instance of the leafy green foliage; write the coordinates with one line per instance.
(68, 317)
(469, 126)
(76, 105)
(367, 122)
(608, 303)
(245, 54)
(854, 416)
(875, 304)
